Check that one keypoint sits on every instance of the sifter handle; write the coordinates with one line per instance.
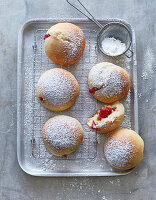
(89, 17)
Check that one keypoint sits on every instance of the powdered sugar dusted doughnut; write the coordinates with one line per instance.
(124, 149)
(64, 43)
(108, 82)
(108, 118)
(62, 135)
(57, 89)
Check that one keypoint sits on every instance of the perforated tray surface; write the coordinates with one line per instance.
(88, 160)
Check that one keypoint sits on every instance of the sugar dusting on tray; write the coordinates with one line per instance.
(113, 47)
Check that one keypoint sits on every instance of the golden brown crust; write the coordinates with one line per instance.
(111, 125)
(111, 122)
(66, 43)
(128, 148)
(63, 106)
(77, 130)
(105, 97)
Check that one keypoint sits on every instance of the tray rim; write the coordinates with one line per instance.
(19, 96)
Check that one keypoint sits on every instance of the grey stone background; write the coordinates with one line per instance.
(141, 183)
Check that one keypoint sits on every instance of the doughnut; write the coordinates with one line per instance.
(108, 82)
(57, 89)
(62, 135)
(124, 149)
(108, 118)
(64, 43)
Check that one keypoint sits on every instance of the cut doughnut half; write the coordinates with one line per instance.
(108, 118)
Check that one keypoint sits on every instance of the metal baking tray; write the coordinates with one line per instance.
(88, 160)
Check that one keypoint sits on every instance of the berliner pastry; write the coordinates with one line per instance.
(62, 135)
(64, 43)
(108, 118)
(57, 89)
(124, 149)
(108, 82)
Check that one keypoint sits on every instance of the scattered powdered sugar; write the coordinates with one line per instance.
(118, 152)
(149, 61)
(72, 50)
(140, 95)
(61, 132)
(108, 78)
(113, 47)
(56, 86)
(104, 198)
(75, 46)
(113, 80)
(148, 73)
(145, 75)
(112, 182)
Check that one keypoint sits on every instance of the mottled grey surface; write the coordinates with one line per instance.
(141, 183)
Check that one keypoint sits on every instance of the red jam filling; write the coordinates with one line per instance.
(46, 36)
(94, 126)
(105, 112)
(93, 90)
(65, 155)
(42, 100)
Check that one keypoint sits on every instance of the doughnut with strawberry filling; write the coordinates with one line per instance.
(108, 83)
(108, 118)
